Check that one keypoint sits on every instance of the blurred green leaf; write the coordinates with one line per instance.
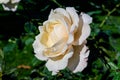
(9, 47)
(95, 12)
(35, 61)
(29, 41)
(1, 54)
(45, 8)
(29, 27)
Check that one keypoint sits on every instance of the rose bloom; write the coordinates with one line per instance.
(62, 40)
(9, 5)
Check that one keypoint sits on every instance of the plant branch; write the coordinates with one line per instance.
(108, 14)
(56, 3)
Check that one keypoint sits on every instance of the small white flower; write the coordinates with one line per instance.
(10, 5)
(62, 39)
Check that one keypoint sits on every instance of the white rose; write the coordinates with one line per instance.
(10, 5)
(62, 39)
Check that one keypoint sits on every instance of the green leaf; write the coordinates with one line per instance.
(94, 12)
(1, 54)
(29, 41)
(29, 27)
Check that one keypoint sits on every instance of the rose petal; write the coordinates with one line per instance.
(62, 11)
(74, 16)
(62, 19)
(55, 33)
(75, 20)
(72, 29)
(51, 13)
(38, 49)
(55, 66)
(78, 32)
(56, 50)
(74, 60)
(40, 28)
(86, 18)
(57, 17)
(85, 33)
(60, 46)
(85, 28)
(83, 60)
(70, 39)
(60, 31)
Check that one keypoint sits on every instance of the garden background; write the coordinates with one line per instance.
(18, 30)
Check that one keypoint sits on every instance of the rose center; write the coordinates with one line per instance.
(54, 38)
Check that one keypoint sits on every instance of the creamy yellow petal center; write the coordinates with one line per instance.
(54, 37)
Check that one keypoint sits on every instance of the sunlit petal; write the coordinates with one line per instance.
(74, 16)
(55, 66)
(85, 33)
(38, 49)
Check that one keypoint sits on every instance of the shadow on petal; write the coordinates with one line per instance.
(74, 60)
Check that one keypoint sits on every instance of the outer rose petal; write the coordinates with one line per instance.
(74, 60)
(40, 28)
(85, 33)
(38, 49)
(83, 60)
(78, 32)
(75, 20)
(62, 11)
(86, 18)
(85, 28)
(74, 16)
(55, 66)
